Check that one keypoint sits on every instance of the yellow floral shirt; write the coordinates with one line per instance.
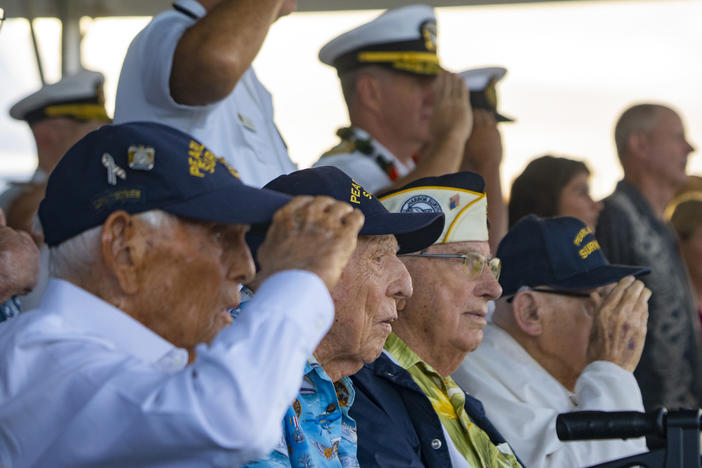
(448, 401)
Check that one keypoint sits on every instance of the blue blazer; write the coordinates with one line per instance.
(397, 425)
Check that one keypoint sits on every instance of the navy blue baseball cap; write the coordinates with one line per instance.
(561, 253)
(414, 231)
(142, 166)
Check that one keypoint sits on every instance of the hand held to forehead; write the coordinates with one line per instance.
(452, 111)
(19, 262)
(619, 325)
(317, 234)
(484, 147)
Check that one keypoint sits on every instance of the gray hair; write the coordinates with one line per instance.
(349, 79)
(348, 85)
(75, 258)
(638, 118)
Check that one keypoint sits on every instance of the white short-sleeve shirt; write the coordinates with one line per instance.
(239, 128)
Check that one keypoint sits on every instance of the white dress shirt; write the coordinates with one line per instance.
(239, 128)
(84, 384)
(523, 400)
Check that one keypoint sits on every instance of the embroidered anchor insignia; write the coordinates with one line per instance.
(113, 170)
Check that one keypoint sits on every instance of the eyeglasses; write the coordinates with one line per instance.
(473, 262)
(560, 292)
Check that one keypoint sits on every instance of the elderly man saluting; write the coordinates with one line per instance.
(410, 413)
(566, 336)
(146, 227)
(317, 429)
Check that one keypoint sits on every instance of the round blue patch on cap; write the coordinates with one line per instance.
(421, 204)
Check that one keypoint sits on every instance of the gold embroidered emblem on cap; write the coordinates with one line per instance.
(426, 63)
(358, 191)
(116, 196)
(590, 247)
(429, 35)
(140, 157)
(581, 235)
(78, 111)
(229, 167)
(491, 93)
(200, 159)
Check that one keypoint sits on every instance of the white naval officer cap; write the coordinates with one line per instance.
(79, 96)
(483, 93)
(403, 39)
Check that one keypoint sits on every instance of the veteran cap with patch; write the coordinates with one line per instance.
(414, 231)
(459, 196)
(403, 39)
(561, 253)
(79, 96)
(483, 93)
(141, 166)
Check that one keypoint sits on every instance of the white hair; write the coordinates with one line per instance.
(73, 259)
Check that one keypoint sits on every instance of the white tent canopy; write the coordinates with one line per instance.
(101, 8)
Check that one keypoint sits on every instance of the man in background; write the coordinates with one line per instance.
(653, 152)
(409, 118)
(58, 115)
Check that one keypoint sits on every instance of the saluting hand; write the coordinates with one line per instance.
(317, 234)
(19, 262)
(619, 325)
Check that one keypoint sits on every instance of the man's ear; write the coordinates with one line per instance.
(525, 307)
(637, 143)
(121, 249)
(368, 92)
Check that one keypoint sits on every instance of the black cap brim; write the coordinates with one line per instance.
(414, 231)
(236, 204)
(503, 118)
(600, 276)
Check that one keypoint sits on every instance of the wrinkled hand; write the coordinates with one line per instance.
(484, 147)
(619, 325)
(317, 234)
(452, 112)
(22, 210)
(19, 262)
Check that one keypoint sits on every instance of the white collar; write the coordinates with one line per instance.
(403, 168)
(86, 312)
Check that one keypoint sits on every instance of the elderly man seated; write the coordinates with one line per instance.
(563, 338)
(317, 428)
(122, 364)
(409, 411)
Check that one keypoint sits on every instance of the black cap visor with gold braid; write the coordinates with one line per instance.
(416, 56)
(82, 110)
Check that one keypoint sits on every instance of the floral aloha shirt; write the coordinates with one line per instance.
(317, 428)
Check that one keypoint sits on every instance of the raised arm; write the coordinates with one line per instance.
(214, 53)
(483, 154)
(451, 123)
